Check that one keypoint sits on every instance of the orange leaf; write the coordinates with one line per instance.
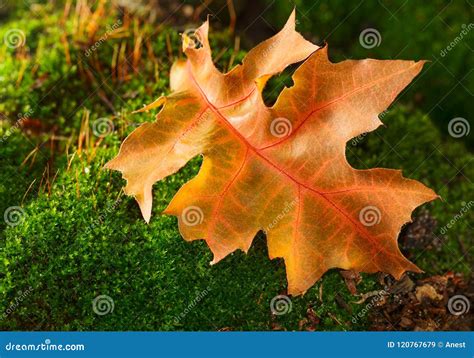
(280, 169)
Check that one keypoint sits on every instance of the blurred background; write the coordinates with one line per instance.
(74, 251)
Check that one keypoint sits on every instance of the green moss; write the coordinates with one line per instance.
(23, 164)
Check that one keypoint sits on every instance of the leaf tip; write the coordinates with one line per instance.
(146, 216)
(144, 200)
(410, 266)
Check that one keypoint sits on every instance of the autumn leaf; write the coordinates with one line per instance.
(280, 169)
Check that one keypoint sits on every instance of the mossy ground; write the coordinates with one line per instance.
(81, 237)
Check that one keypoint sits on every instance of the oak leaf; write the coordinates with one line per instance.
(280, 169)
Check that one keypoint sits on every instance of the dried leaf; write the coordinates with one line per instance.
(280, 169)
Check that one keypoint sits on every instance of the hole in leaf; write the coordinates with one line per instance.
(276, 84)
